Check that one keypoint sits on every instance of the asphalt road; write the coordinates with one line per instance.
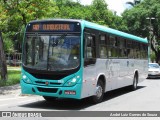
(145, 98)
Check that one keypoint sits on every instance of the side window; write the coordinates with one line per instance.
(146, 51)
(130, 50)
(143, 51)
(113, 47)
(103, 47)
(90, 50)
(122, 48)
(137, 50)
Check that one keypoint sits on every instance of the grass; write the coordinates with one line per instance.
(13, 78)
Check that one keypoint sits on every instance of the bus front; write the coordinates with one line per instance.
(52, 59)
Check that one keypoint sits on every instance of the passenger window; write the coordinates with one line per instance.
(103, 46)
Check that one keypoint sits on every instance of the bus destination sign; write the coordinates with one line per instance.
(52, 27)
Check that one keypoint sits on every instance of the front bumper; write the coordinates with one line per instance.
(60, 92)
(153, 74)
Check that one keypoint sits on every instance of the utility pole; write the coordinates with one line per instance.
(3, 66)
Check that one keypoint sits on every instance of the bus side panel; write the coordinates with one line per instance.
(142, 67)
(127, 70)
(91, 74)
(89, 81)
(104, 68)
(118, 73)
(124, 78)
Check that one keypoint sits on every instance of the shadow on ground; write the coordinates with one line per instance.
(71, 104)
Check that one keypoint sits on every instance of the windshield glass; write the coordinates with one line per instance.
(153, 66)
(52, 52)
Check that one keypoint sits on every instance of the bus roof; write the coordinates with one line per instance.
(51, 20)
(98, 27)
(113, 31)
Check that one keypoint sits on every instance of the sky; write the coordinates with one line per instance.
(116, 5)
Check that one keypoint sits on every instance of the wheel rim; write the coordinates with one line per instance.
(99, 91)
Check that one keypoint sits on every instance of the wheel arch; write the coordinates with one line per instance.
(103, 79)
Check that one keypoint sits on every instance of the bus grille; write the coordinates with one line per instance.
(43, 83)
(48, 76)
(49, 90)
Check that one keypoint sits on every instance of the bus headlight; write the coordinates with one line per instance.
(71, 82)
(26, 79)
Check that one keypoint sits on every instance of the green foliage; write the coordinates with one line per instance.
(8, 44)
(153, 57)
(139, 22)
(13, 78)
(15, 14)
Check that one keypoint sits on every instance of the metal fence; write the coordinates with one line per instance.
(14, 59)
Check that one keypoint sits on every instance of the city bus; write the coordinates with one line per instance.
(67, 58)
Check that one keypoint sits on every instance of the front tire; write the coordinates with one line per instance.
(99, 92)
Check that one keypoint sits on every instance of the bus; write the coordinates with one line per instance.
(68, 58)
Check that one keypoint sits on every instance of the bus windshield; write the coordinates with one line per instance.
(52, 52)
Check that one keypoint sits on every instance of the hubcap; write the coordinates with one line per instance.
(99, 91)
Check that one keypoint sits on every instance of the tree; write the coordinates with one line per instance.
(96, 12)
(100, 11)
(15, 14)
(137, 23)
(3, 66)
(73, 10)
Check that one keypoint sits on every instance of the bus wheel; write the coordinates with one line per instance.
(99, 92)
(49, 99)
(135, 82)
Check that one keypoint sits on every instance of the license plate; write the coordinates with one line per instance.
(70, 92)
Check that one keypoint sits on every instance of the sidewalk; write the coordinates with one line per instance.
(15, 89)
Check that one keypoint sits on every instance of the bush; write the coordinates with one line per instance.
(152, 56)
(13, 78)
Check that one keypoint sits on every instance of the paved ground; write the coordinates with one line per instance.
(15, 89)
(145, 98)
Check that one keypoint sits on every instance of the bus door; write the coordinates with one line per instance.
(89, 73)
